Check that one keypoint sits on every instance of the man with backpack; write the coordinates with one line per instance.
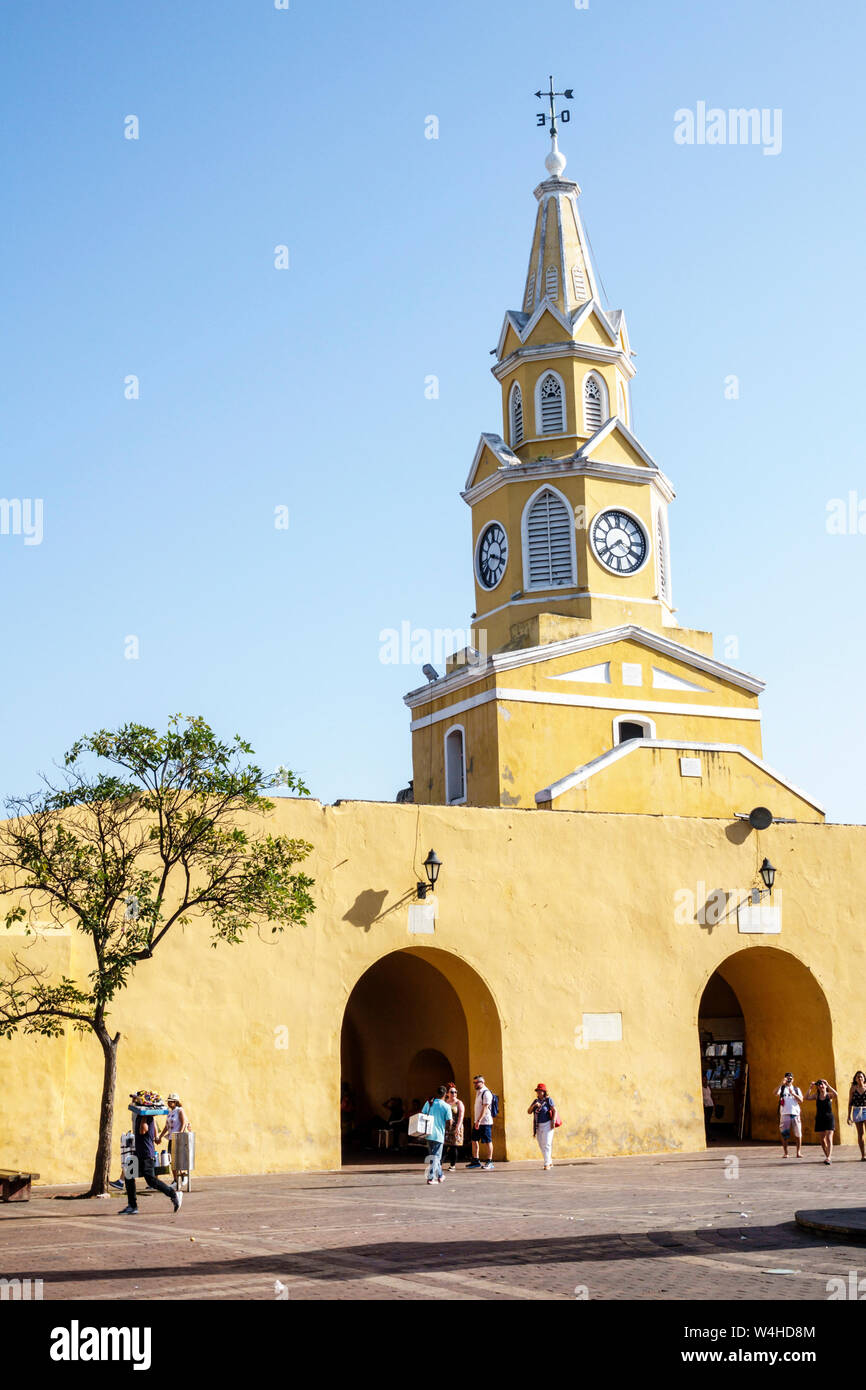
(485, 1111)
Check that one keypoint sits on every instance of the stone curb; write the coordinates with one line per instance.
(837, 1221)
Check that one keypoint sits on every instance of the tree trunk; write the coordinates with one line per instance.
(102, 1164)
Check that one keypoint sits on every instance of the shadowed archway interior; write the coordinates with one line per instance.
(785, 1025)
(416, 1019)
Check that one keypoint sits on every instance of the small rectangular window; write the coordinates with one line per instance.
(455, 767)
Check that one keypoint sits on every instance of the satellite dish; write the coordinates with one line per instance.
(760, 818)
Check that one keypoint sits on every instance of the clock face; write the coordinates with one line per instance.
(619, 541)
(492, 555)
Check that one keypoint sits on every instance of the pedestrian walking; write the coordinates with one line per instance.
(176, 1122)
(822, 1093)
(482, 1125)
(441, 1112)
(543, 1112)
(454, 1128)
(144, 1130)
(857, 1109)
(790, 1100)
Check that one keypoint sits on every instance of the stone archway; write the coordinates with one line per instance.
(786, 1026)
(415, 1013)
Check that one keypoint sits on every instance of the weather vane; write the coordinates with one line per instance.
(564, 115)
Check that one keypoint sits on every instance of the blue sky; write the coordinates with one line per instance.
(305, 388)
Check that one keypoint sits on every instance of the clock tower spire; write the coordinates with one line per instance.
(569, 509)
(577, 657)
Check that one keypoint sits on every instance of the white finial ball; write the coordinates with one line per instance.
(555, 163)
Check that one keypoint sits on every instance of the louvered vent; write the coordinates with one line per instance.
(578, 282)
(529, 289)
(592, 405)
(661, 559)
(552, 411)
(551, 282)
(548, 537)
(516, 416)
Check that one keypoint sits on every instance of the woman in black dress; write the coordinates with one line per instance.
(823, 1095)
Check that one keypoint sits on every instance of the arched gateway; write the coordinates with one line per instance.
(762, 1013)
(412, 1015)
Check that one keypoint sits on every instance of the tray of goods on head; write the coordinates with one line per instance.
(147, 1103)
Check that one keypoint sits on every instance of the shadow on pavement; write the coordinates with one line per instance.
(410, 1257)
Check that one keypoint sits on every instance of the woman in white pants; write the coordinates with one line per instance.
(543, 1112)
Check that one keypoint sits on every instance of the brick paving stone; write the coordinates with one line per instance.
(672, 1227)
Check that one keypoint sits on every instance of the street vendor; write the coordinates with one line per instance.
(144, 1131)
(175, 1123)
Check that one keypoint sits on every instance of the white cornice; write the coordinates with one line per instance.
(564, 468)
(625, 706)
(628, 632)
(565, 187)
(588, 352)
(622, 750)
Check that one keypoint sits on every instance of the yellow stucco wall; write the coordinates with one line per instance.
(542, 919)
(515, 747)
(729, 783)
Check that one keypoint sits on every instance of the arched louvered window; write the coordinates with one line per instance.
(530, 286)
(551, 282)
(662, 559)
(594, 403)
(550, 405)
(578, 281)
(516, 416)
(548, 542)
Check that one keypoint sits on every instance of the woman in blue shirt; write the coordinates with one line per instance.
(441, 1112)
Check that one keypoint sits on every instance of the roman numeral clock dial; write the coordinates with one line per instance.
(619, 542)
(492, 555)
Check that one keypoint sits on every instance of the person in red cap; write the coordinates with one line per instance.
(543, 1112)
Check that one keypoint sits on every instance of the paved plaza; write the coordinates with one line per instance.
(708, 1226)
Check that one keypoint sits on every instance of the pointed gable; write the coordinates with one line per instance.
(615, 443)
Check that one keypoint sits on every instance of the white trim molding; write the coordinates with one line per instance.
(569, 646)
(518, 696)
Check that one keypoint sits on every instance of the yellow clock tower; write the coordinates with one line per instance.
(581, 691)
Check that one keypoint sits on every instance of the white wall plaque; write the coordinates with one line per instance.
(632, 673)
(690, 767)
(602, 1028)
(422, 918)
(761, 917)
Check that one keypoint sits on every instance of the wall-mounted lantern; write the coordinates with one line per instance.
(768, 874)
(432, 865)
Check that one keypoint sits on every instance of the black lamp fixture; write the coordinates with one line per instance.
(768, 874)
(432, 865)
